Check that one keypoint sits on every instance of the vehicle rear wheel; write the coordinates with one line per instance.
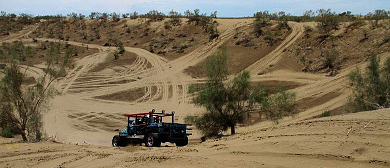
(183, 142)
(152, 140)
(117, 141)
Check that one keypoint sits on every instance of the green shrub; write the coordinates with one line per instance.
(328, 20)
(7, 132)
(257, 28)
(325, 114)
(370, 91)
(308, 29)
(116, 55)
(183, 47)
(121, 49)
(269, 37)
(330, 60)
(209, 123)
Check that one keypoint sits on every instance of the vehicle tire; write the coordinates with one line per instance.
(117, 141)
(183, 142)
(152, 139)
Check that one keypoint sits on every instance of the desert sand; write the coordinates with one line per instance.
(82, 124)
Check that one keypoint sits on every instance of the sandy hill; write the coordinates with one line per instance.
(98, 90)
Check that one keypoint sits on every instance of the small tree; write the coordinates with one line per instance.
(175, 18)
(134, 15)
(328, 20)
(216, 96)
(376, 17)
(330, 60)
(121, 49)
(228, 102)
(372, 90)
(23, 104)
(115, 17)
(262, 19)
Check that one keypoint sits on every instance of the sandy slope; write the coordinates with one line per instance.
(77, 116)
(353, 140)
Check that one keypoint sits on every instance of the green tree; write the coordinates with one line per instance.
(23, 104)
(174, 18)
(328, 20)
(115, 17)
(227, 102)
(120, 48)
(262, 19)
(134, 15)
(372, 90)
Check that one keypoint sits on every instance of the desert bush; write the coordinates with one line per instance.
(308, 16)
(210, 123)
(198, 19)
(125, 15)
(15, 50)
(262, 15)
(121, 49)
(96, 34)
(376, 18)
(115, 17)
(269, 37)
(7, 132)
(134, 15)
(346, 16)
(212, 30)
(330, 59)
(371, 90)
(167, 25)
(116, 55)
(308, 29)
(25, 19)
(155, 15)
(182, 48)
(325, 114)
(93, 15)
(5, 120)
(328, 20)
(174, 18)
(261, 20)
(151, 45)
(128, 30)
(275, 105)
(103, 17)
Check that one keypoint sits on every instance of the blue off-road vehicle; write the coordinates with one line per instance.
(149, 128)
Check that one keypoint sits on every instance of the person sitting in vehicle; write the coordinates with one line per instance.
(131, 128)
(144, 120)
(150, 119)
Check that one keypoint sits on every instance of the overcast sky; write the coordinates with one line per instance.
(225, 8)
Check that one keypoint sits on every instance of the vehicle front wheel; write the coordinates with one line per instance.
(152, 140)
(117, 141)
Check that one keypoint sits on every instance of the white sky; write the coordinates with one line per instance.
(225, 8)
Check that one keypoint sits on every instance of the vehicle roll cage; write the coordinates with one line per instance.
(156, 115)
